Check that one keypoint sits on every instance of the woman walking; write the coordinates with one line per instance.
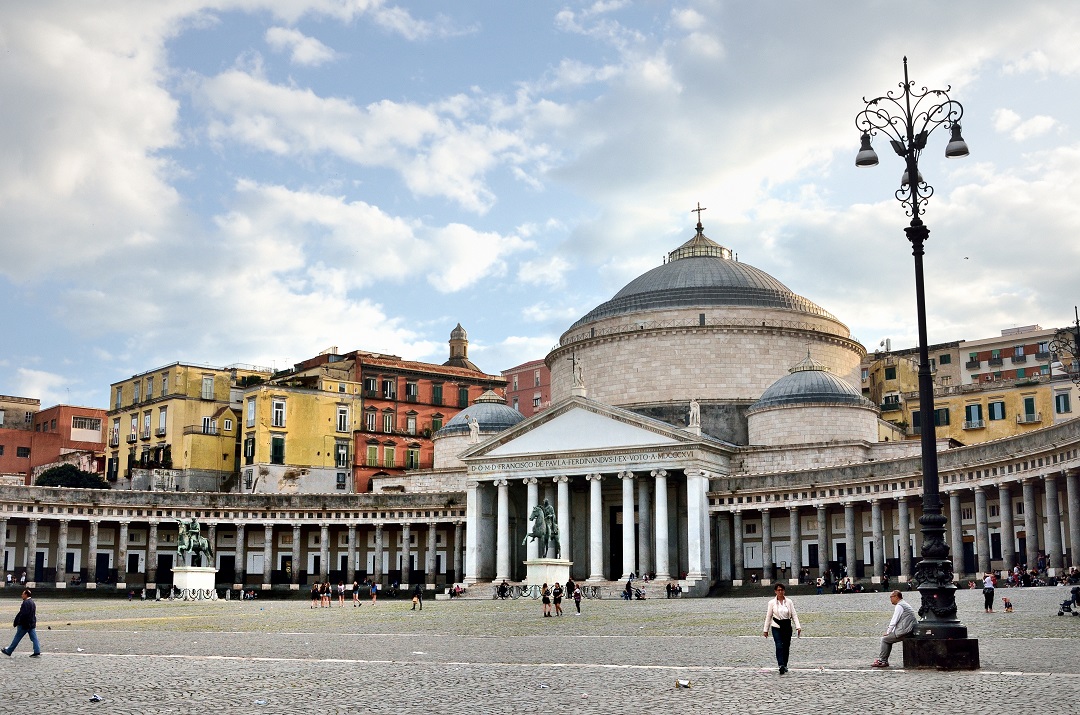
(355, 593)
(577, 598)
(988, 592)
(780, 617)
(545, 598)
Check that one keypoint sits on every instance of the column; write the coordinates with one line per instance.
(211, 538)
(628, 549)
(268, 554)
(852, 556)
(502, 532)
(1008, 530)
(696, 520)
(1053, 526)
(795, 541)
(904, 516)
(596, 529)
(297, 567)
(458, 533)
(324, 552)
(350, 574)
(31, 549)
(92, 552)
(241, 557)
(879, 540)
(429, 560)
(562, 483)
(1072, 490)
(61, 554)
(766, 548)
(532, 499)
(739, 570)
(723, 544)
(121, 556)
(982, 531)
(956, 534)
(645, 526)
(1031, 524)
(823, 539)
(3, 547)
(472, 533)
(660, 525)
(406, 552)
(151, 556)
(377, 574)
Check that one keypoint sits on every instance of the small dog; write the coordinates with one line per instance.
(1008, 605)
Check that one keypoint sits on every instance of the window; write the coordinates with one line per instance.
(436, 394)
(164, 384)
(90, 423)
(996, 411)
(536, 378)
(866, 373)
(136, 388)
(515, 405)
(412, 458)
(341, 387)
(536, 401)
(965, 513)
(372, 456)
(412, 392)
(208, 425)
(250, 420)
(994, 509)
(228, 425)
(890, 373)
(436, 423)
(248, 482)
(116, 401)
(341, 454)
(249, 450)
(1018, 351)
(149, 387)
(1043, 348)
(371, 386)
(277, 449)
(463, 396)
(1061, 403)
(134, 425)
(369, 421)
(341, 480)
(515, 382)
(410, 424)
(389, 389)
(22, 452)
(973, 415)
(941, 417)
(29, 416)
(388, 455)
(751, 528)
(1029, 408)
(388, 422)
(277, 413)
(342, 419)
(208, 387)
(945, 359)
(52, 425)
(146, 425)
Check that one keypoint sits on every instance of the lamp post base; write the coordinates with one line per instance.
(941, 654)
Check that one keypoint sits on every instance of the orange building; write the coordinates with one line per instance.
(528, 387)
(44, 438)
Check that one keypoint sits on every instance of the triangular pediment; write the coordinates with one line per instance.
(581, 425)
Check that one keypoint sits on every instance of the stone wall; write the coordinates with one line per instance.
(436, 481)
(723, 420)
(798, 424)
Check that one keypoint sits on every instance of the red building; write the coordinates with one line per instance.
(32, 439)
(528, 387)
(406, 402)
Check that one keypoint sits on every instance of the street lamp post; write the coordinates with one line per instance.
(1066, 345)
(908, 117)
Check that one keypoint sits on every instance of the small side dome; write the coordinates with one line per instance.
(459, 333)
(809, 382)
(490, 411)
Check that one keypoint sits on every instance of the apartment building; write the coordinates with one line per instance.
(528, 387)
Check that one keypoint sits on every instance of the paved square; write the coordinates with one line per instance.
(483, 656)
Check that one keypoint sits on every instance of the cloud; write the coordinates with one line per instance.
(544, 313)
(548, 271)
(304, 50)
(48, 387)
(1009, 122)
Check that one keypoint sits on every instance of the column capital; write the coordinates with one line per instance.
(695, 472)
(472, 483)
(500, 482)
(793, 507)
(978, 489)
(596, 477)
(530, 480)
(626, 474)
(561, 479)
(658, 473)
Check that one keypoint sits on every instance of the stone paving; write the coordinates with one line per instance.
(483, 656)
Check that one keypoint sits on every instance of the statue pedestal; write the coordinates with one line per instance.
(549, 571)
(195, 583)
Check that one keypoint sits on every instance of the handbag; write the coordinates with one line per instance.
(415, 599)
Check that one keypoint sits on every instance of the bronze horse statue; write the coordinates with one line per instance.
(545, 530)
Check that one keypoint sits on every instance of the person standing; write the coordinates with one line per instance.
(341, 593)
(545, 599)
(780, 616)
(556, 597)
(315, 598)
(900, 627)
(577, 599)
(25, 623)
(355, 593)
(418, 597)
(988, 592)
(374, 590)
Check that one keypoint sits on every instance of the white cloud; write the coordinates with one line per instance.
(1009, 122)
(546, 271)
(48, 387)
(303, 50)
(544, 313)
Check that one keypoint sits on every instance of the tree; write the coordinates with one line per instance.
(68, 475)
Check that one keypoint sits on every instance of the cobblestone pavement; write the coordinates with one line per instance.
(482, 656)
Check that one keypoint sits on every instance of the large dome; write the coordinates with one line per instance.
(491, 413)
(701, 273)
(809, 382)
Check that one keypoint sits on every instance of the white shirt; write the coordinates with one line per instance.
(988, 581)
(781, 611)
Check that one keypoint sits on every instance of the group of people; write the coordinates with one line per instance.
(553, 597)
(323, 594)
(11, 579)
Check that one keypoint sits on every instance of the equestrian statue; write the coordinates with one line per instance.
(545, 530)
(191, 542)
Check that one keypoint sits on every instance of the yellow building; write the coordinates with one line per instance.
(177, 427)
(889, 377)
(298, 428)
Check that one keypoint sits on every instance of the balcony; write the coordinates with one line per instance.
(1019, 359)
(890, 406)
(1042, 355)
(972, 364)
(412, 398)
(995, 362)
(159, 432)
(114, 440)
(132, 438)
(145, 434)
(974, 424)
(202, 429)
(1029, 418)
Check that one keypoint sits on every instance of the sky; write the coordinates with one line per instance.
(255, 181)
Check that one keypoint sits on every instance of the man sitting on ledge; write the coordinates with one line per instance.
(901, 626)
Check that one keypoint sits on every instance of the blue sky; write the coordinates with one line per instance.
(248, 181)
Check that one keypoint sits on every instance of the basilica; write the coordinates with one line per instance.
(706, 425)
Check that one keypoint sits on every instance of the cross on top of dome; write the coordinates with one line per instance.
(700, 245)
(808, 363)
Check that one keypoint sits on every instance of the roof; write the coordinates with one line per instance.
(701, 273)
(490, 411)
(810, 382)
